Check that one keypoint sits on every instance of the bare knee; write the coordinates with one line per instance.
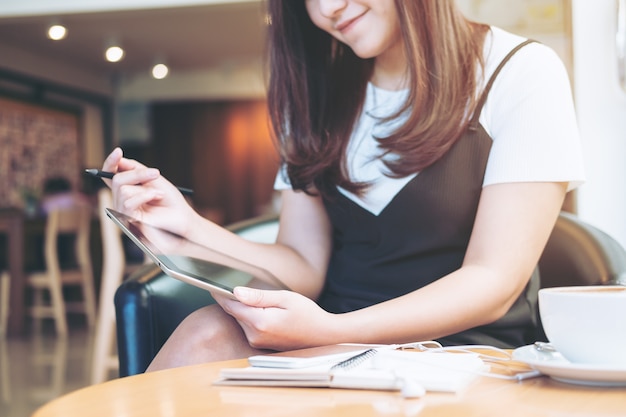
(206, 335)
(208, 328)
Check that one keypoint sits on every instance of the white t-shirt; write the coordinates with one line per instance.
(529, 114)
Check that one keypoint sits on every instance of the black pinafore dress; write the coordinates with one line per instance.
(419, 237)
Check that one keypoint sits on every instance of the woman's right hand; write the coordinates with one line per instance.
(142, 193)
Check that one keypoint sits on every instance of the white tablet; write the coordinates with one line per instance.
(192, 263)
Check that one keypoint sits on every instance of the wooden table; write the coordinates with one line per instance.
(189, 392)
(12, 224)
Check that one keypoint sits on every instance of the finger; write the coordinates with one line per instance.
(222, 300)
(127, 164)
(111, 163)
(116, 162)
(135, 176)
(259, 298)
(229, 305)
(132, 198)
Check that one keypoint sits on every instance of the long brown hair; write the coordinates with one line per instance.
(317, 88)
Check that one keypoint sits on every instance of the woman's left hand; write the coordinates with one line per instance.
(279, 320)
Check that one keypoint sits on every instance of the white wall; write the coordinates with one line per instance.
(601, 107)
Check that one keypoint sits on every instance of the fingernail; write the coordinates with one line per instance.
(242, 292)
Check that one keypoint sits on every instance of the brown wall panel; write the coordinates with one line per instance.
(221, 149)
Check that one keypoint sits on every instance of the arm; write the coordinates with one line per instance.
(513, 224)
(512, 227)
(299, 258)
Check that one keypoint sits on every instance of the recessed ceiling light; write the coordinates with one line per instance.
(57, 32)
(114, 53)
(160, 71)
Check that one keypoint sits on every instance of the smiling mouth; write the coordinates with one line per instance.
(347, 24)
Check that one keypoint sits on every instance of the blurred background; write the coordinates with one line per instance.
(182, 88)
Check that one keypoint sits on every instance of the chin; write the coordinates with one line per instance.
(367, 51)
(365, 54)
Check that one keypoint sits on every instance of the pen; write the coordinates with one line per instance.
(109, 175)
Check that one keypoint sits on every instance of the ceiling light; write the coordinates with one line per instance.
(57, 32)
(114, 53)
(160, 71)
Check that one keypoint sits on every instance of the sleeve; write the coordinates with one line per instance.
(531, 118)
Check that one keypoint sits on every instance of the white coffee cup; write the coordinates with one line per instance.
(586, 324)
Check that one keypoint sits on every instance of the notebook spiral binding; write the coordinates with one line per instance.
(354, 361)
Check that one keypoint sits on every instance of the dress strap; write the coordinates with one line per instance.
(483, 98)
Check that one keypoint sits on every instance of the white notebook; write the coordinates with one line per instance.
(378, 367)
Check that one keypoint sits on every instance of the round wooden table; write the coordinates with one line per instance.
(190, 392)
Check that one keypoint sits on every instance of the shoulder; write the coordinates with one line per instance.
(535, 61)
(529, 113)
(534, 79)
(499, 43)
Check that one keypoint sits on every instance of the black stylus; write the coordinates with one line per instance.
(109, 175)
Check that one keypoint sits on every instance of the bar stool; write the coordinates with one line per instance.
(73, 221)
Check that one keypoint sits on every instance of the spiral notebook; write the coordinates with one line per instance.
(310, 357)
(359, 367)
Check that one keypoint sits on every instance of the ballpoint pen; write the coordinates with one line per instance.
(109, 175)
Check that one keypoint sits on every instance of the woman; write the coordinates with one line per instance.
(419, 184)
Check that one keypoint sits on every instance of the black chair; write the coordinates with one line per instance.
(578, 253)
(149, 304)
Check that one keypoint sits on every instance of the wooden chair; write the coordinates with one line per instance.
(4, 302)
(75, 221)
(49, 361)
(5, 373)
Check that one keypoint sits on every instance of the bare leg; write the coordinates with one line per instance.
(206, 335)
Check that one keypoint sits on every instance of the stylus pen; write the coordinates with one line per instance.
(109, 175)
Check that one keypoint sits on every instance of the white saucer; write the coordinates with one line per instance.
(557, 367)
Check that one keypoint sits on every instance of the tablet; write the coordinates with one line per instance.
(192, 263)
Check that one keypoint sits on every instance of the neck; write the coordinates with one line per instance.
(390, 69)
